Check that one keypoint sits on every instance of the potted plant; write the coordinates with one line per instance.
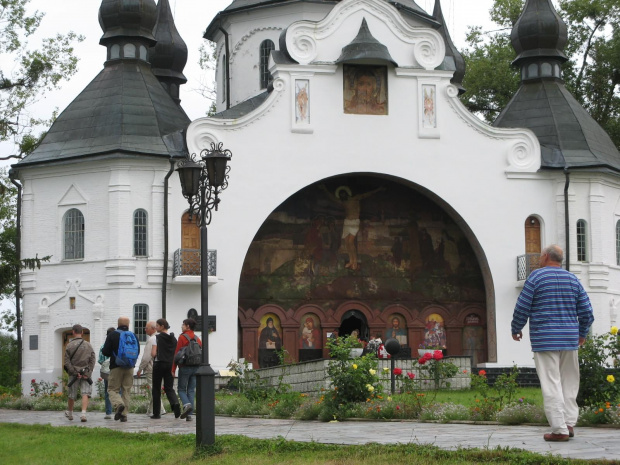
(429, 348)
(356, 346)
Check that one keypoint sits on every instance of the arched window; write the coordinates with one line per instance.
(74, 234)
(140, 233)
(140, 317)
(266, 47)
(129, 51)
(618, 243)
(582, 240)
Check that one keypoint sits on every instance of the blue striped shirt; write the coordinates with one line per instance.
(558, 308)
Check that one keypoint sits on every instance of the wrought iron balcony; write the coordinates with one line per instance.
(187, 262)
(526, 264)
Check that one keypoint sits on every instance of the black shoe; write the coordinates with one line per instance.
(119, 412)
(188, 419)
(187, 410)
(155, 417)
(123, 419)
(177, 410)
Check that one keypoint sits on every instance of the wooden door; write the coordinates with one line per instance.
(190, 245)
(67, 336)
(532, 241)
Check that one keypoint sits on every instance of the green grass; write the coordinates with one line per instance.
(468, 398)
(46, 445)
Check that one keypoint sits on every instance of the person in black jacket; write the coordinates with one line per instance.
(163, 356)
(120, 379)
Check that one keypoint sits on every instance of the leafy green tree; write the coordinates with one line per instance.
(28, 73)
(8, 360)
(592, 73)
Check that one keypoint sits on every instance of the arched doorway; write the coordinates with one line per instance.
(354, 320)
(367, 239)
(67, 336)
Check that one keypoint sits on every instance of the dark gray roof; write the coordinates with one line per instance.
(568, 135)
(169, 56)
(243, 108)
(453, 60)
(241, 5)
(365, 47)
(121, 18)
(124, 109)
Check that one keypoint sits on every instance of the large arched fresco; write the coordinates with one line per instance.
(368, 245)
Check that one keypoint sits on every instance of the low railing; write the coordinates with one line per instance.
(526, 264)
(187, 262)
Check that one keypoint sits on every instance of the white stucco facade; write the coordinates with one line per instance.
(487, 179)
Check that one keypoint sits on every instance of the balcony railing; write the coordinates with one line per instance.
(526, 264)
(187, 262)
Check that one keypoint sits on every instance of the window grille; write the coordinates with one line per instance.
(265, 76)
(74, 235)
(140, 317)
(618, 243)
(581, 241)
(140, 232)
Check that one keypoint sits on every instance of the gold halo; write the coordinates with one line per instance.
(343, 188)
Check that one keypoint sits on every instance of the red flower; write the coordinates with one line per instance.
(427, 356)
(398, 371)
(397, 407)
(33, 380)
(438, 355)
(56, 384)
(422, 361)
(411, 375)
(482, 373)
(100, 379)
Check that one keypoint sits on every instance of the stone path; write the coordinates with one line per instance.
(588, 443)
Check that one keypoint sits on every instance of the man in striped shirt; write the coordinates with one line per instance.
(560, 317)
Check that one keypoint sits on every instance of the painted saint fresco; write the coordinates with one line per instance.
(365, 90)
(397, 329)
(435, 333)
(360, 238)
(302, 101)
(430, 115)
(270, 332)
(310, 333)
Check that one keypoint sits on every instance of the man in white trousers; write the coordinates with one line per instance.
(560, 316)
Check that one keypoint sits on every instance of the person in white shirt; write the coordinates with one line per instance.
(146, 365)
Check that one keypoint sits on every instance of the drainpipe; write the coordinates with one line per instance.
(164, 283)
(18, 295)
(227, 77)
(566, 220)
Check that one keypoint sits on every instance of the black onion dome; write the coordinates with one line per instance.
(169, 56)
(539, 32)
(127, 18)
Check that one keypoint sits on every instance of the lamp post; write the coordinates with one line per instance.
(201, 183)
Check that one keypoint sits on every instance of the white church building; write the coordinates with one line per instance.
(362, 194)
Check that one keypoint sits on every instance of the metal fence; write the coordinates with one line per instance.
(187, 262)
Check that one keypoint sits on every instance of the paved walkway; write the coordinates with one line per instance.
(588, 443)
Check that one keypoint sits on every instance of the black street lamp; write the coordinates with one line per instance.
(201, 183)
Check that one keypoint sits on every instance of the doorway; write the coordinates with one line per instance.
(67, 336)
(190, 246)
(354, 320)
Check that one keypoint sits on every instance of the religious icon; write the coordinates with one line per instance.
(270, 331)
(435, 333)
(365, 90)
(302, 101)
(310, 333)
(396, 330)
(430, 117)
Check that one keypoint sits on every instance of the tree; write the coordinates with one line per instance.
(592, 73)
(8, 361)
(27, 74)
(207, 63)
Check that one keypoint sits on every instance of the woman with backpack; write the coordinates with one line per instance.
(163, 356)
(187, 368)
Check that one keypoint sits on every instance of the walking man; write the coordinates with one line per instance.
(123, 349)
(560, 317)
(79, 364)
(146, 365)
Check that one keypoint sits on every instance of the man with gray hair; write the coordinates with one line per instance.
(560, 316)
(146, 365)
(79, 364)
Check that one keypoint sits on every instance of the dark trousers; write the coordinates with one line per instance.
(163, 371)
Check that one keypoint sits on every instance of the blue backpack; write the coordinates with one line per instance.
(128, 349)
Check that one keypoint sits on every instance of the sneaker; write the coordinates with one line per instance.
(188, 419)
(155, 417)
(83, 418)
(187, 410)
(124, 419)
(556, 437)
(176, 408)
(571, 431)
(69, 415)
(107, 417)
(119, 412)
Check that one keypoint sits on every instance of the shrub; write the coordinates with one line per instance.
(286, 405)
(8, 361)
(445, 412)
(521, 412)
(597, 358)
